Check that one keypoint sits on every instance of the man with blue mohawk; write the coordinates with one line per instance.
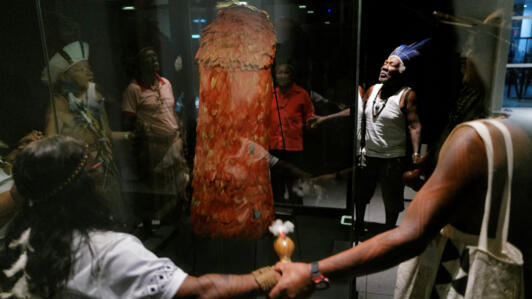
(388, 120)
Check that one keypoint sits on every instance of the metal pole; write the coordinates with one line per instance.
(279, 116)
(46, 62)
(357, 21)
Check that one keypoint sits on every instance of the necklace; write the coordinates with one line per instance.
(382, 103)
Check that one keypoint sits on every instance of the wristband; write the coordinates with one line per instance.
(318, 279)
(266, 278)
(126, 136)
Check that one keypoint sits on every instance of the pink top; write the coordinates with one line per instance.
(153, 106)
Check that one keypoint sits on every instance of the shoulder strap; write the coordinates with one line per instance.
(503, 221)
(504, 212)
(484, 134)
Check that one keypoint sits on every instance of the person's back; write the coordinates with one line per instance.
(463, 176)
(469, 218)
(448, 207)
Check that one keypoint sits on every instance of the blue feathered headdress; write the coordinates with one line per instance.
(406, 52)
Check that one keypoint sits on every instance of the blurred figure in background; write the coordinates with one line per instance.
(291, 108)
(148, 108)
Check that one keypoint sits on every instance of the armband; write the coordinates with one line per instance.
(265, 277)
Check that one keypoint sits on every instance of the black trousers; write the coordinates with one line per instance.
(281, 180)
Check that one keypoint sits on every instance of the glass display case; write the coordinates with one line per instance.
(206, 120)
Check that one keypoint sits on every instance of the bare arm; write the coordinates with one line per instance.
(461, 161)
(292, 169)
(316, 120)
(10, 203)
(7, 207)
(414, 125)
(218, 286)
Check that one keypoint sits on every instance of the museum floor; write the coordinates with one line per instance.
(317, 235)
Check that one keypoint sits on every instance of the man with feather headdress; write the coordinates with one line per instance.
(389, 124)
(389, 128)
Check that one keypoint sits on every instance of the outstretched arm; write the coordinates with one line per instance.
(292, 169)
(462, 160)
(316, 120)
(218, 286)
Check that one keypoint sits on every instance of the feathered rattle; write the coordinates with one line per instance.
(283, 245)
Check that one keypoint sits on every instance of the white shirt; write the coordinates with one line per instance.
(385, 131)
(117, 265)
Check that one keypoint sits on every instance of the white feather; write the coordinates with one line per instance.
(17, 266)
(23, 240)
(278, 227)
(20, 289)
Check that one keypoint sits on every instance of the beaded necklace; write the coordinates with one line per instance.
(377, 110)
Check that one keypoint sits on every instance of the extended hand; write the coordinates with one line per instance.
(295, 281)
(323, 178)
(314, 121)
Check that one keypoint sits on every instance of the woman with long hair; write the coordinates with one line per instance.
(62, 243)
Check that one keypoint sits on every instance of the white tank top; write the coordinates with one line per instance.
(385, 126)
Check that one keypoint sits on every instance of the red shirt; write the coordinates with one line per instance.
(295, 108)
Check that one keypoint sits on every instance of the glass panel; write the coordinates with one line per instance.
(315, 39)
(519, 68)
(195, 125)
(314, 45)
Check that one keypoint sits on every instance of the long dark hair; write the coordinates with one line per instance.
(52, 212)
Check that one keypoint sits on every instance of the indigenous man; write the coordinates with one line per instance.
(79, 111)
(387, 117)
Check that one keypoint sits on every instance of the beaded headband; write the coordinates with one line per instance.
(75, 174)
